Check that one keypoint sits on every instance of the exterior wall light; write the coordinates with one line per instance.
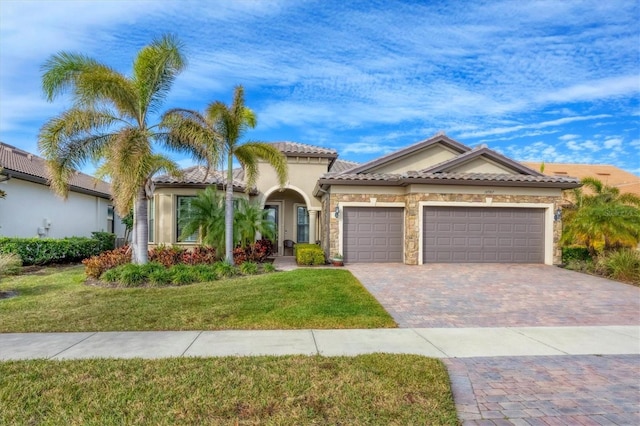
(557, 215)
(337, 212)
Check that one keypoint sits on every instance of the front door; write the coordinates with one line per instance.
(272, 216)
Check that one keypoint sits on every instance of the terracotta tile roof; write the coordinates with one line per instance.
(340, 166)
(295, 148)
(608, 174)
(195, 175)
(24, 165)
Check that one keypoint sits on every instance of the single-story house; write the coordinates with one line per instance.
(626, 182)
(31, 209)
(434, 201)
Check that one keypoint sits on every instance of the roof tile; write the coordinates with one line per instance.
(13, 159)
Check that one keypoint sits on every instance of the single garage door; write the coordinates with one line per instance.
(483, 235)
(373, 234)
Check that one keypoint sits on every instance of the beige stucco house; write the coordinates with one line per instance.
(434, 201)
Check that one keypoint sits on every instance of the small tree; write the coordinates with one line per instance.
(602, 220)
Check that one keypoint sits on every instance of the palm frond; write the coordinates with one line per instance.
(251, 151)
(154, 70)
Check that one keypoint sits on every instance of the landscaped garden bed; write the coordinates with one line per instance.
(58, 299)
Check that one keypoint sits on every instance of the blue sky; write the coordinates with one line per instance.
(557, 81)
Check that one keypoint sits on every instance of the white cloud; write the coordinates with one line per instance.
(541, 125)
(568, 137)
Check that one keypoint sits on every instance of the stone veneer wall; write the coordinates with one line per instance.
(412, 205)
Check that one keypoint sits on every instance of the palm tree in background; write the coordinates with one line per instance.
(602, 219)
(204, 216)
(108, 123)
(219, 132)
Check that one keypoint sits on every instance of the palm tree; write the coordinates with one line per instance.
(205, 216)
(602, 219)
(220, 129)
(109, 122)
(250, 219)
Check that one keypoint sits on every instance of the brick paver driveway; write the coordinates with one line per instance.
(494, 295)
(528, 390)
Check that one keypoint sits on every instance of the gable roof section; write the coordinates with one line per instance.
(444, 173)
(195, 177)
(483, 151)
(20, 164)
(439, 138)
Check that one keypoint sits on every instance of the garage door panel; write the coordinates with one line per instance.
(483, 234)
(373, 234)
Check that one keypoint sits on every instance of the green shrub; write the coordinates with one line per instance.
(206, 273)
(268, 267)
(107, 240)
(132, 275)
(309, 254)
(160, 277)
(10, 264)
(111, 275)
(248, 268)
(575, 253)
(225, 270)
(621, 265)
(44, 251)
(183, 274)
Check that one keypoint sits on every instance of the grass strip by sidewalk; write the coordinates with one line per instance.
(367, 389)
(58, 300)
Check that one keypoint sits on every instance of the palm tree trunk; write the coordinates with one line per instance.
(140, 243)
(228, 215)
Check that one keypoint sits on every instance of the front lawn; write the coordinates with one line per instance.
(363, 390)
(58, 300)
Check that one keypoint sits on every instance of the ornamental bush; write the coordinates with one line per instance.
(309, 254)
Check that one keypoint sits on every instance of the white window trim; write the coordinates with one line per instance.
(548, 220)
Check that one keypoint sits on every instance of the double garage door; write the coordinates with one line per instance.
(450, 234)
(483, 235)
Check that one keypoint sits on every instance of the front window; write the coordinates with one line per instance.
(303, 224)
(184, 213)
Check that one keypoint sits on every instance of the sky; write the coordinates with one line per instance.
(552, 81)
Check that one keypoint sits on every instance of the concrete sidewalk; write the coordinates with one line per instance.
(433, 342)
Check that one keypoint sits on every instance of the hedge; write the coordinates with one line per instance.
(575, 253)
(309, 254)
(44, 251)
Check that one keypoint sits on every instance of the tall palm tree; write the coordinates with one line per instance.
(603, 218)
(109, 122)
(220, 129)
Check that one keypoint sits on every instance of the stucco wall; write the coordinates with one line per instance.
(304, 173)
(28, 206)
(413, 201)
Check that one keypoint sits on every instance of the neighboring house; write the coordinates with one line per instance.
(31, 209)
(609, 175)
(435, 201)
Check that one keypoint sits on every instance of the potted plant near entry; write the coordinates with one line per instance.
(337, 260)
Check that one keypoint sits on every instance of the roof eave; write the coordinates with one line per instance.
(42, 181)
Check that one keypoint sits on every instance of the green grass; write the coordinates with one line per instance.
(58, 300)
(363, 390)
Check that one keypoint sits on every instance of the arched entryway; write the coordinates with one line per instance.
(295, 220)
